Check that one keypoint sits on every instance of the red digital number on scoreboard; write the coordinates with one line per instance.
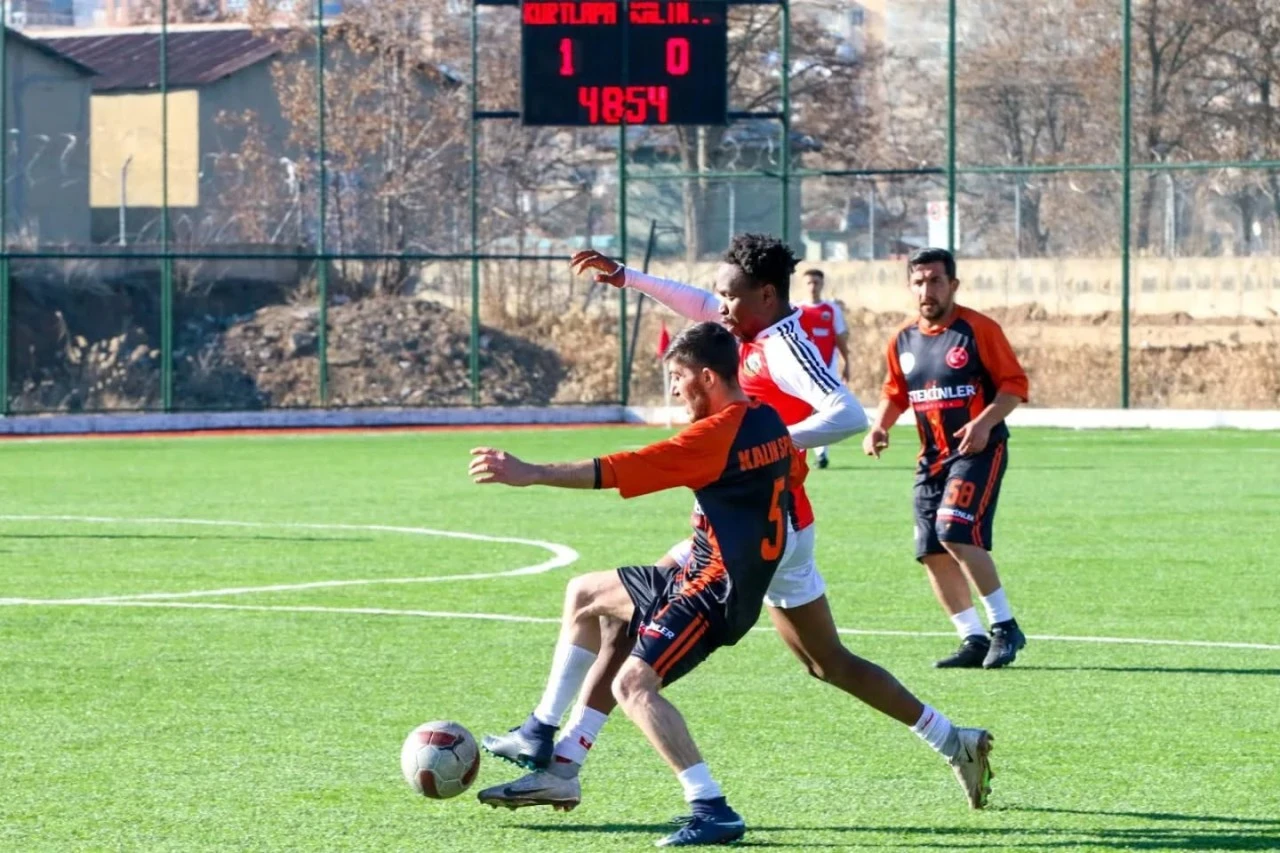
(616, 104)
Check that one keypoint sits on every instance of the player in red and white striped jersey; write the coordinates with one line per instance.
(777, 365)
(823, 321)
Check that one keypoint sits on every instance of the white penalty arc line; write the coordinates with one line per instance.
(545, 620)
(563, 555)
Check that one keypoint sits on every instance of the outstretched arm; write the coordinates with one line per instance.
(684, 299)
(490, 465)
(692, 458)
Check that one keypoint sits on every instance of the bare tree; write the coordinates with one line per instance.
(1174, 39)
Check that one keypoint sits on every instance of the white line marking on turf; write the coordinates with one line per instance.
(545, 620)
(289, 608)
(563, 555)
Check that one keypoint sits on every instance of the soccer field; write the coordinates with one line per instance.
(263, 619)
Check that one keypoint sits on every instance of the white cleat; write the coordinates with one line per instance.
(535, 789)
(971, 765)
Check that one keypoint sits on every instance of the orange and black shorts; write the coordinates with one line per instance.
(674, 631)
(958, 503)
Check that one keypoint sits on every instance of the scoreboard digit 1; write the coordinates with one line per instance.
(612, 62)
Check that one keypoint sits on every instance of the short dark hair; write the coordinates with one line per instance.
(921, 257)
(765, 258)
(816, 273)
(707, 345)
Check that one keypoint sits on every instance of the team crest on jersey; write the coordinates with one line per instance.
(907, 361)
(752, 364)
(826, 315)
(957, 357)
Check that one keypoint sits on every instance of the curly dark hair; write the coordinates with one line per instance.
(765, 258)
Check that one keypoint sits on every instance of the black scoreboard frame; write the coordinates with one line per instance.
(605, 63)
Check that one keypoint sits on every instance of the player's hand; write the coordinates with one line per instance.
(607, 270)
(876, 441)
(973, 437)
(489, 465)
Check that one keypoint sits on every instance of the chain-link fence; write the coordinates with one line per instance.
(209, 204)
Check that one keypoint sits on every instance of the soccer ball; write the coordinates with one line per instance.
(439, 760)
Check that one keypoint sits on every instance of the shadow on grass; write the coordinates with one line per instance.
(1202, 832)
(1193, 670)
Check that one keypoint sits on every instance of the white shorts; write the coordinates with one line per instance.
(797, 580)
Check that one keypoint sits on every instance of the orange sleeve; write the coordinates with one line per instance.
(693, 458)
(998, 358)
(895, 384)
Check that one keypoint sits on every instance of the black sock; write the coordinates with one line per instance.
(535, 728)
(711, 807)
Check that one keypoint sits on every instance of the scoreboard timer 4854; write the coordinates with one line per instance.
(613, 62)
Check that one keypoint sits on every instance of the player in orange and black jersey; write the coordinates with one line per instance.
(955, 369)
(738, 459)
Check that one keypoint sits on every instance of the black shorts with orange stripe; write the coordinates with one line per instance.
(674, 631)
(958, 503)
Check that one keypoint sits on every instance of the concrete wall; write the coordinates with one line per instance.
(48, 148)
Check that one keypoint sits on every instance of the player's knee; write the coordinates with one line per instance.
(579, 596)
(825, 661)
(632, 683)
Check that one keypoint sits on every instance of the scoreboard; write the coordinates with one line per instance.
(614, 62)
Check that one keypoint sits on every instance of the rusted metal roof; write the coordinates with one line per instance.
(131, 60)
(48, 50)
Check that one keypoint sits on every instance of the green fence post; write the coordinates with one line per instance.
(624, 372)
(474, 177)
(4, 218)
(952, 236)
(784, 174)
(322, 247)
(1126, 182)
(166, 261)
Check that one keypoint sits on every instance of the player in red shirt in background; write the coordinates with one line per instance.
(777, 365)
(823, 320)
(955, 369)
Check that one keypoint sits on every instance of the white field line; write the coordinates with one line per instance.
(544, 620)
(563, 555)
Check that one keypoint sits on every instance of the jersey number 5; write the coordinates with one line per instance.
(771, 549)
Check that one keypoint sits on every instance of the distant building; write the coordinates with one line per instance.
(48, 126)
(211, 69)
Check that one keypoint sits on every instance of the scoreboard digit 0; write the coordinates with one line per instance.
(613, 62)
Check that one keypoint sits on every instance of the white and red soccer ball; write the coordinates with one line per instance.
(440, 759)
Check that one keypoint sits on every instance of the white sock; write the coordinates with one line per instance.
(997, 606)
(967, 622)
(568, 670)
(580, 734)
(698, 784)
(936, 730)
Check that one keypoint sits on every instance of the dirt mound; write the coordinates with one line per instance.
(382, 352)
